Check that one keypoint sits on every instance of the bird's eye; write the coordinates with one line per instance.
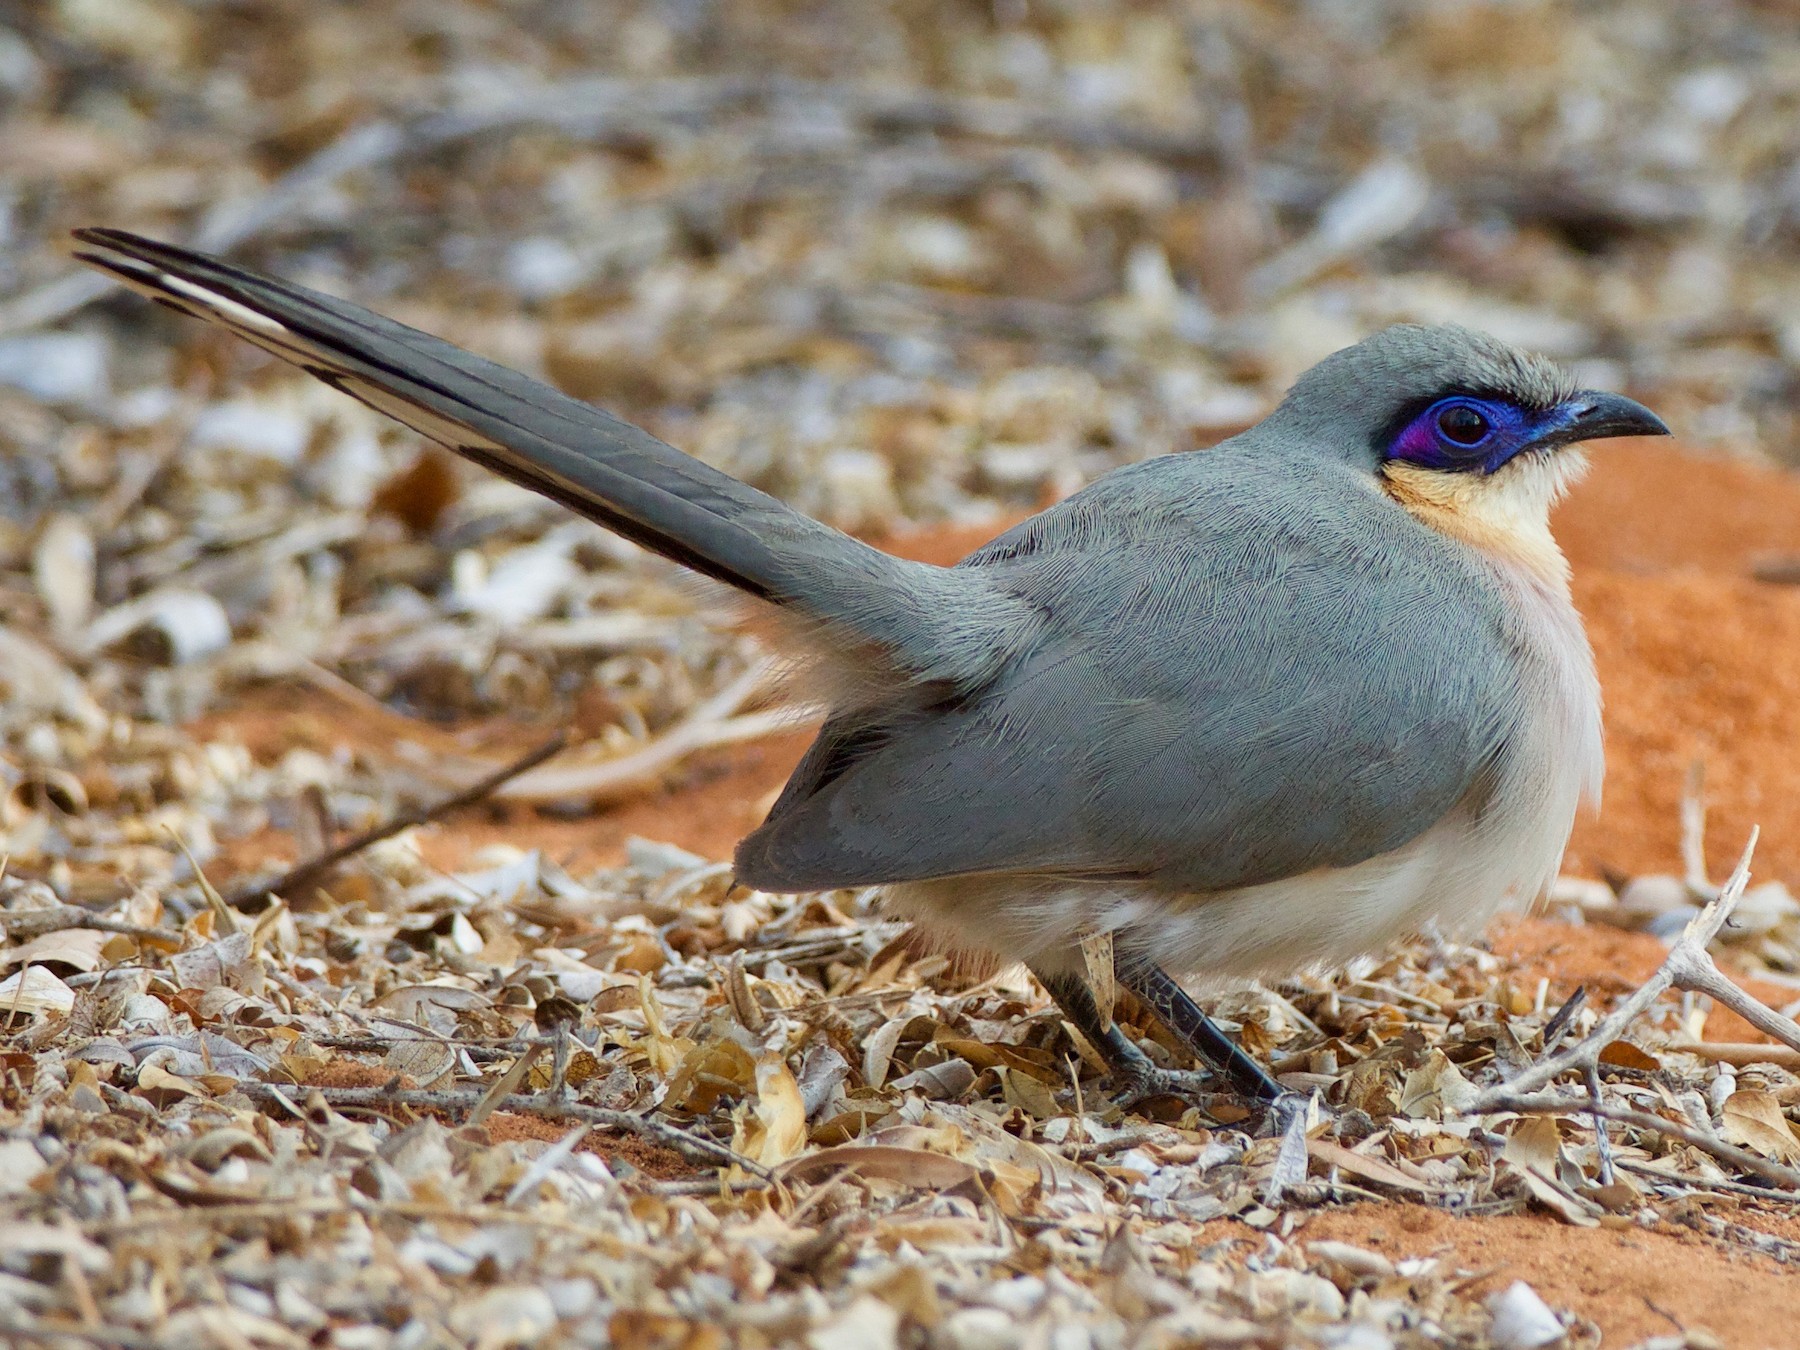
(1462, 425)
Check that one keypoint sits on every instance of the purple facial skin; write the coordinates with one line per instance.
(1473, 435)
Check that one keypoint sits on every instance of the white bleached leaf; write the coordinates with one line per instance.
(1522, 1320)
(57, 367)
(183, 625)
(35, 990)
(62, 569)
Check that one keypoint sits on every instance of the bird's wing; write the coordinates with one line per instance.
(1246, 671)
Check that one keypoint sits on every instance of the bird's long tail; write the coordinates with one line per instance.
(924, 619)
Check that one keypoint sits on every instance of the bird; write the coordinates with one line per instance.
(1233, 712)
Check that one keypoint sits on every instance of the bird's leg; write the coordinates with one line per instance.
(1169, 1003)
(1077, 1002)
(1132, 1070)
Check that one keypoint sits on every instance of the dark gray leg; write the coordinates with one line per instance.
(1169, 1003)
(1076, 1000)
(1134, 1074)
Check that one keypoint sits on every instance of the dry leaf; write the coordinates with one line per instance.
(1533, 1151)
(919, 1168)
(1436, 1088)
(1628, 1056)
(1754, 1119)
(1366, 1166)
(708, 1072)
(1029, 1094)
(878, 1051)
(80, 948)
(1102, 978)
(33, 991)
(62, 565)
(153, 1080)
(416, 1051)
(780, 1131)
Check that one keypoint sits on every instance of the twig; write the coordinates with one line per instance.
(693, 1147)
(480, 1052)
(1564, 1017)
(36, 922)
(1740, 1053)
(1675, 1179)
(709, 724)
(630, 773)
(1740, 1235)
(1553, 1105)
(295, 879)
(1602, 1143)
(108, 1336)
(226, 225)
(1688, 966)
(1693, 834)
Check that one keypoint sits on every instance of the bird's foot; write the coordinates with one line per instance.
(1140, 1081)
(1263, 1116)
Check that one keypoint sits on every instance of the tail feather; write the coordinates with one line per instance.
(588, 460)
(933, 624)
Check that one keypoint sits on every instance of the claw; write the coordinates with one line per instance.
(1140, 1082)
(1144, 1082)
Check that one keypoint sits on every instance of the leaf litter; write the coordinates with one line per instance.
(941, 272)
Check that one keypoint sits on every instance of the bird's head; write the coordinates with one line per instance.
(1470, 434)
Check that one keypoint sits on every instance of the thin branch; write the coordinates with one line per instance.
(226, 225)
(1553, 1105)
(1564, 1017)
(1693, 834)
(1738, 1054)
(16, 1333)
(36, 922)
(1681, 963)
(712, 723)
(1691, 1184)
(303, 874)
(632, 773)
(1602, 1142)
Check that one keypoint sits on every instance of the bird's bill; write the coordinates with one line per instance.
(1595, 415)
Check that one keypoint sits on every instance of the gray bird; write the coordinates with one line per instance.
(1231, 713)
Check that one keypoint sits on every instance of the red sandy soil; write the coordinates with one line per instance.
(1634, 1283)
(1699, 661)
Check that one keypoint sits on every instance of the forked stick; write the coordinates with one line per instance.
(1688, 966)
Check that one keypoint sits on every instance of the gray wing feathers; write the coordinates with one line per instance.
(1168, 726)
(932, 625)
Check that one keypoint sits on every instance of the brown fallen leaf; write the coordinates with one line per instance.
(1754, 1119)
(1625, 1055)
(1532, 1151)
(32, 991)
(777, 1130)
(78, 948)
